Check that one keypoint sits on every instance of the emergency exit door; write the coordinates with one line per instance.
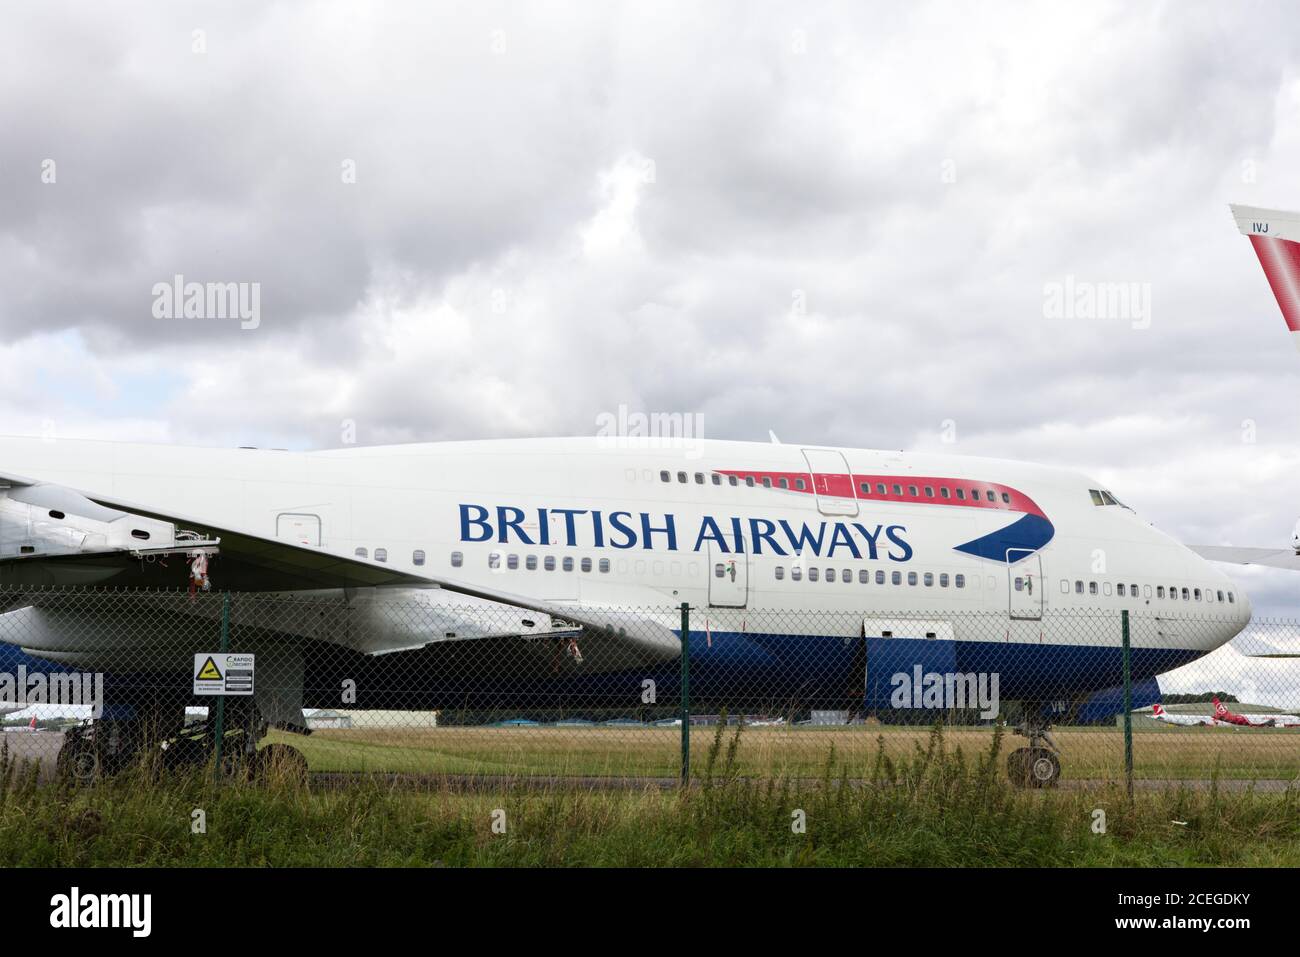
(832, 482)
(728, 578)
(1025, 587)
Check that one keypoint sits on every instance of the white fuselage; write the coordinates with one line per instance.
(613, 522)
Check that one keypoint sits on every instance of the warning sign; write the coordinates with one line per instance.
(223, 673)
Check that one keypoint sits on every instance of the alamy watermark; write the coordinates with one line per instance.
(625, 428)
(1072, 298)
(946, 690)
(23, 688)
(179, 299)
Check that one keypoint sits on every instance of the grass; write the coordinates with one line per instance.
(1095, 753)
(934, 803)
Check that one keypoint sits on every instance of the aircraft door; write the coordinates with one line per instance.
(832, 482)
(728, 578)
(1026, 587)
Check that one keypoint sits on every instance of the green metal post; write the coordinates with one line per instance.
(219, 728)
(686, 694)
(1128, 710)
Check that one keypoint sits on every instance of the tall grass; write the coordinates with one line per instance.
(934, 807)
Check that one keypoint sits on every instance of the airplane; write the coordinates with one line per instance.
(1222, 714)
(1199, 720)
(815, 574)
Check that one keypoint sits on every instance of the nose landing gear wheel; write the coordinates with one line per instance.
(80, 763)
(1034, 768)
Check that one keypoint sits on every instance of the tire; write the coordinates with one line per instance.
(1043, 768)
(281, 763)
(80, 763)
(1018, 767)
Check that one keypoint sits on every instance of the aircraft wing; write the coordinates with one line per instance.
(251, 562)
(1234, 555)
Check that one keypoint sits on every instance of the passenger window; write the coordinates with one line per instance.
(959, 581)
(898, 490)
(381, 554)
(830, 574)
(1105, 589)
(1160, 591)
(1006, 499)
(494, 560)
(681, 477)
(864, 576)
(604, 566)
(548, 563)
(1020, 584)
(943, 579)
(798, 483)
(928, 579)
(929, 491)
(812, 574)
(1065, 586)
(733, 480)
(1185, 598)
(1092, 588)
(911, 578)
(1119, 589)
(1220, 596)
(846, 575)
(880, 488)
(664, 477)
(417, 557)
(699, 478)
(531, 563)
(911, 490)
(719, 570)
(586, 564)
(880, 578)
(796, 573)
(961, 495)
(1078, 587)
(1231, 600)
(512, 561)
(943, 492)
(717, 479)
(457, 559)
(362, 553)
(749, 480)
(784, 483)
(1197, 594)
(896, 578)
(866, 488)
(780, 572)
(990, 496)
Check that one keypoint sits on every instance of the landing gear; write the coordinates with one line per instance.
(100, 748)
(1039, 765)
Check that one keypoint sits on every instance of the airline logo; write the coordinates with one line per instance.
(1017, 541)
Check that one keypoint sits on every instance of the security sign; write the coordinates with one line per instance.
(222, 673)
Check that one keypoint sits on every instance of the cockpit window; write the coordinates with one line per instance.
(1096, 497)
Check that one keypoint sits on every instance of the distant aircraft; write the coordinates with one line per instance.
(1223, 715)
(1160, 714)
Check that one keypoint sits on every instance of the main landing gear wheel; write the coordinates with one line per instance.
(79, 763)
(281, 762)
(1039, 765)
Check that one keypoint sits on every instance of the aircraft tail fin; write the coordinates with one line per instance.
(1275, 235)
(1219, 708)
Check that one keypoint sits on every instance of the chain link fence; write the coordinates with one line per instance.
(423, 686)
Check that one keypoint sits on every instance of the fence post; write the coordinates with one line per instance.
(686, 694)
(219, 726)
(1128, 709)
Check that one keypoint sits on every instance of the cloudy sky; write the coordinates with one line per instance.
(844, 224)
